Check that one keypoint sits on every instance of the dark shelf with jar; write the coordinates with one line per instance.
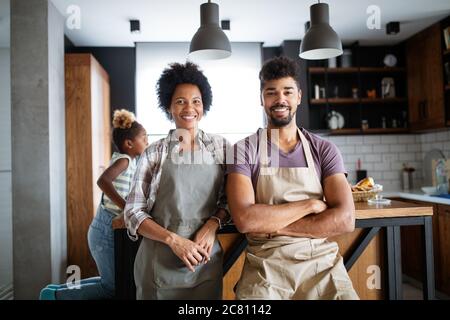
(365, 90)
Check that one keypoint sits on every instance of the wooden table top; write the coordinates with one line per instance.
(363, 211)
(393, 210)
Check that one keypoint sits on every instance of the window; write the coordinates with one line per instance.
(236, 111)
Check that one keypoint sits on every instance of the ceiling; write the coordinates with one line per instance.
(105, 22)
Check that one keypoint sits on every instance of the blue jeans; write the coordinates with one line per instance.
(101, 245)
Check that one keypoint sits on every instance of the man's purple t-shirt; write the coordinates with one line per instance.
(326, 155)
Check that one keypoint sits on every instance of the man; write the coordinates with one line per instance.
(277, 201)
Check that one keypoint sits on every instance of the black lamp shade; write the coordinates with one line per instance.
(320, 41)
(209, 42)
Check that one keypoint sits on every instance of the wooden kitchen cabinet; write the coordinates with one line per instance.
(425, 80)
(88, 151)
(412, 247)
(444, 243)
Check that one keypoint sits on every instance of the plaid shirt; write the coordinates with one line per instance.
(147, 177)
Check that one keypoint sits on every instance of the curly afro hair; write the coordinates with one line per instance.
(176, 74)
(277, 68)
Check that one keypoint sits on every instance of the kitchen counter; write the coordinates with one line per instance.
(375, 242)
(415, 194)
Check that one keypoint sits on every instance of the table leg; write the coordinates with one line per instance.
(124, 255)
(394, 263)
(428, 281)
(234, 254)
(398, 263)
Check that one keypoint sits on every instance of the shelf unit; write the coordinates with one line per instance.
(355, 131)
(322, 70)
(384, 115)
(350, 101)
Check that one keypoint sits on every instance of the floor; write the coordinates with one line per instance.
(412, 290)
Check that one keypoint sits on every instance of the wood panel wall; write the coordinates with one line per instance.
(87, 151)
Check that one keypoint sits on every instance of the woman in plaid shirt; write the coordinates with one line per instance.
(177, 200)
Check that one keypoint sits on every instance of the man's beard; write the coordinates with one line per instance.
(277, 122)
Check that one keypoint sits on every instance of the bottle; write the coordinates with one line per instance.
(332, 62)
(346, 58)
(404, 119)
(364, 124)
(383, 122)
(360, 174)
(441, 177)
(316, 92)
(407, 177)
(394, 123)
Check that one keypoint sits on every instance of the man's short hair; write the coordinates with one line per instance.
(277, 68)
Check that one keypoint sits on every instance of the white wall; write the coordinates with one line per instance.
(235, 111)
(6, 276)
(383, 155)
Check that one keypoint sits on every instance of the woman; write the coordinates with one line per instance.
(177, 202)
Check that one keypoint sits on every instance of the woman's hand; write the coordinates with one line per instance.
(188, 251)
(206, 236)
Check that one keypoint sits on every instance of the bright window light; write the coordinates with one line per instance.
(236, 110)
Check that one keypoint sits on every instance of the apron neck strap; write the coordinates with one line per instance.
(307, 150)
(264, 157)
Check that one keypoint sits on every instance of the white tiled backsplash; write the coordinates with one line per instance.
(383, 155)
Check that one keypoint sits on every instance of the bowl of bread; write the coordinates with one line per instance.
(365, 189)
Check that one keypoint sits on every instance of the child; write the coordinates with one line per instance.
(130, 138)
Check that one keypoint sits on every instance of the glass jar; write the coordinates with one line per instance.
(364, 124)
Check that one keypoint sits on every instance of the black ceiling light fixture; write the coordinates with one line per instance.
(392, 28)
(320, 40)
(135, 26)
(225, 24)
(209, 42)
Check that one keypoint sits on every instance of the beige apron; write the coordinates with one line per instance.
(289, 267)
(186, 198)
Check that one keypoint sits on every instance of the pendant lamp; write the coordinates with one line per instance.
(320, 41)
(209, 42)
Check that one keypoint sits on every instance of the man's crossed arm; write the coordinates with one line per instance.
(306, 218)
